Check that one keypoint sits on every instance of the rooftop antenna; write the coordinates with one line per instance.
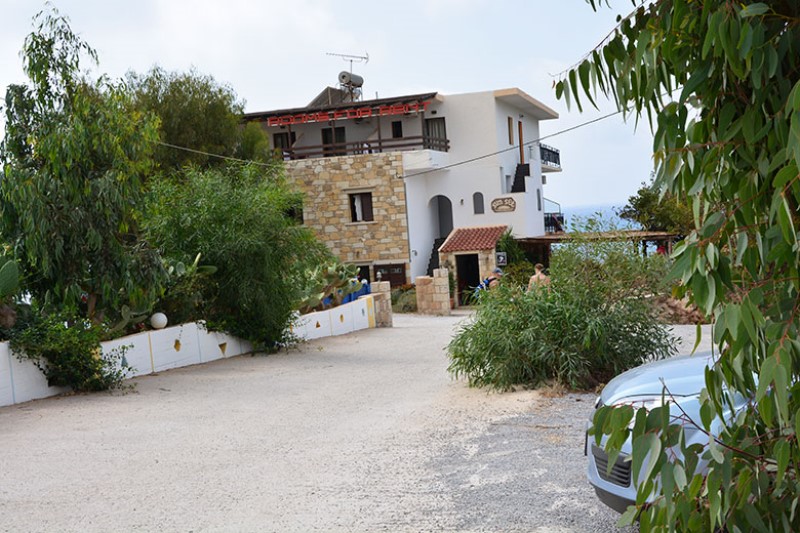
(349, 82)
(351, 58)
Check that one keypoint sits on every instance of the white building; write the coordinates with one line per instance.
(388, 179)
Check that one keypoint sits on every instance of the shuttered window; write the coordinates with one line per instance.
(361, 207)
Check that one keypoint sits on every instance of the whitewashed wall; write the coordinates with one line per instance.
(178, 346)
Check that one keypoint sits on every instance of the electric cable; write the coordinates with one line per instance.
(445, 167)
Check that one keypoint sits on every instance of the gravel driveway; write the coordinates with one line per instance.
(365, 432)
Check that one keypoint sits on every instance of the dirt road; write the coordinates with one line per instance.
(365, 432)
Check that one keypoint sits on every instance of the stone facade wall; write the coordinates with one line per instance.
(433, 293)
(327, 184)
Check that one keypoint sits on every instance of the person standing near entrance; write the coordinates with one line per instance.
(539, 278)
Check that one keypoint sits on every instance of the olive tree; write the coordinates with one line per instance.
(74, 156)
(197, 116)
(720, 83)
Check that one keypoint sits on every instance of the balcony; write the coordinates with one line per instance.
(550, 157)
(371, 146)
(553, 217)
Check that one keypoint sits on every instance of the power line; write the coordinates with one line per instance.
(512, 148)
(456, 164)
(227, 158)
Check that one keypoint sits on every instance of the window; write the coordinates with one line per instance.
(361, 207)
(539, 198)
(435, 134)
(397, 129)
(283, 141)
(477, 203)
(511, 131)
(336, 137)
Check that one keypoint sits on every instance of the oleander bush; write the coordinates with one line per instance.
(595, 320)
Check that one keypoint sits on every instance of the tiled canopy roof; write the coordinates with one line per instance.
(472, 239)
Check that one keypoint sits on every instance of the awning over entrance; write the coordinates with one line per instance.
(473, 239)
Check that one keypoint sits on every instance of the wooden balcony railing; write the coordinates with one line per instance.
(372, 146)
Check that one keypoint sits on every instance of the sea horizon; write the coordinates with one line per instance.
(577, 213)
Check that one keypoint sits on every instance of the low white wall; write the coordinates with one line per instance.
(340, 320)
(177, 346)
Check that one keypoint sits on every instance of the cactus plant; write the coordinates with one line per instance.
(9, 277)
(334, 280)
(9, 283)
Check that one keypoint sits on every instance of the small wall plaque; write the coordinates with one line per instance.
(503, 205)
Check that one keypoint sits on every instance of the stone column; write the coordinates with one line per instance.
(433, 293)
(381, 291)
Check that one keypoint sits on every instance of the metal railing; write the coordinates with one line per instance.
(553, 222)
(553, 217)
(371, 146)
(550, 156)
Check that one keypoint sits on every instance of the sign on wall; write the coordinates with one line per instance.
(344, 114)
(501, 258)
(503, 205)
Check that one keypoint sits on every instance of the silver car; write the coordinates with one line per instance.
(642, 387)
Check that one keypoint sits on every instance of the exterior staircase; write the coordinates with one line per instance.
(523, 170)
(433, 262)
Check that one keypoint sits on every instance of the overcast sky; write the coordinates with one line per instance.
(273, 54)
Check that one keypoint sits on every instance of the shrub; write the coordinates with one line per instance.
(237, 217)
(67, 351)
(518, 273)
(404, 299)
(595, 320)
(577, 338)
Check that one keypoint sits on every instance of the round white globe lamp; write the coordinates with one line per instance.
(158, 320)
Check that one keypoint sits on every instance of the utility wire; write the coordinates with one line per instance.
(456, 164)
(227, 158)
(512, 148)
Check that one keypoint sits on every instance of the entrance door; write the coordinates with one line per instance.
(469, 276)
(394, 274)
(443, 214)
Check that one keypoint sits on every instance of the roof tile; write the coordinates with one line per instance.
(471, 239)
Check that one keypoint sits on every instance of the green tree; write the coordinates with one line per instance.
(197, 113)
(74, 156)
(720, 82)
(655, 212)
(238, 218)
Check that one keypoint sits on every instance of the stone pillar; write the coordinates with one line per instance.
(433, 293)
(382, 292)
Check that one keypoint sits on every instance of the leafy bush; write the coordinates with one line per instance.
(404, 299)
(594, 321)
(237, 218)
(518, 273)
(576, 338)
(67, 351)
